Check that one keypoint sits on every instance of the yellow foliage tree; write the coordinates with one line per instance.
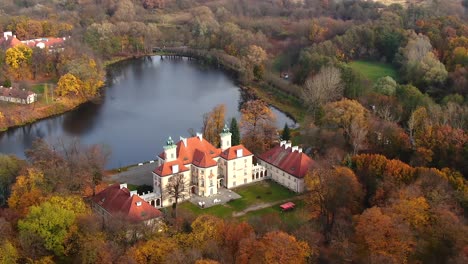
(27, 191)
(206, 228)
(414, 211)
(256, 55)
(68, 83)
(153, 251)
(213, 123)
(8, 253)
(351, 116)
(18, 59)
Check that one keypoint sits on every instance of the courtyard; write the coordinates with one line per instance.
(253, 197)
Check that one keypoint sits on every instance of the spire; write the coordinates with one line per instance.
(169, 141)
(225, 129)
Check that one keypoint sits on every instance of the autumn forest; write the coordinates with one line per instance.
(379, 90)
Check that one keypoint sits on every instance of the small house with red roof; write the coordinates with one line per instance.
(286, 165)
(118, 201)
(51, 43)
(204, 167)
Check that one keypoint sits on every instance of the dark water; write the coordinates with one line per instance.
(146, 100)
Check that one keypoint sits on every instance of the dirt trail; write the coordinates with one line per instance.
(260, 206)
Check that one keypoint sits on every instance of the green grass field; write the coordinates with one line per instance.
(373, 70)
(261, 192)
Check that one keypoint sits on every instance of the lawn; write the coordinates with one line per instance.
(264, 191)
(373, 70)
(260, 192)
(292, 219)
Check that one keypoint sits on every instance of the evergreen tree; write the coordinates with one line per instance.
(286, 135)
(234, 129)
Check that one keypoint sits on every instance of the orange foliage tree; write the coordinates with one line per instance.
(258, 126)
(274, 247)
(28, 190)
(381, 239)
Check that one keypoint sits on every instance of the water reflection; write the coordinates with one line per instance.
(145, 101)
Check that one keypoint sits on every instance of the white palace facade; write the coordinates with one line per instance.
(206, 168)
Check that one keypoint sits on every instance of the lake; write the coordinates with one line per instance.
(145, 101)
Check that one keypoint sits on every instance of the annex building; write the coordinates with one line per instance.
(205, 168)
(118, 201)
(16, 95)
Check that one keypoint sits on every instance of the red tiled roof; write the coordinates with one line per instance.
(116, 201)
(14, 41)
(166, 168)
(202, 159)
(295, 163)
(186, 153)
(231, 153)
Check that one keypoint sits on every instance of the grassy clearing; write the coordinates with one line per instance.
(265, 191)
(280, 100)
(292, 219)
(261, 192)
(373, 70)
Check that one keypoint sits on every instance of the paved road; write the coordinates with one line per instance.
(137, 175)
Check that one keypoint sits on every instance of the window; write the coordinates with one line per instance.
(294, 180)
(172, 155)
(234, 183)
(245, 181)
(211, 183)
(289, 177)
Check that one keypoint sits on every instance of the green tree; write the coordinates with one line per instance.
(50, 223)
(286, 134)
(385, 85)
(234, 129)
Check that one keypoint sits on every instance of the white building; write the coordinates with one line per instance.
(204, 167)
(286, 165)
(15, 95)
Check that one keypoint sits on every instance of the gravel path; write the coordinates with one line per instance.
(260, 206)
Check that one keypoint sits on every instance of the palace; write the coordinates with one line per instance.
(205, 168)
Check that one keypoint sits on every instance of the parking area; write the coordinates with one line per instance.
(137, 175)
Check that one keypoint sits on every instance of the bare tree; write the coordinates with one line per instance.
(177, 188)
(357, 135)
(324, 87)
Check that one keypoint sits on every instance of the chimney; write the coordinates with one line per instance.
(239, 153)
(200, 136)
(175, 168)
(184, 140)
(138, 203)
(123, 185)
(282, 143)
(295, 148)
(133, 193)
(300, 150)
(287, 145)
